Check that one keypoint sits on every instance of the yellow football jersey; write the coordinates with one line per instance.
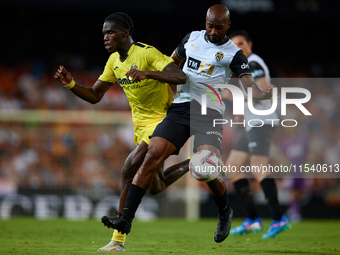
(149, 99)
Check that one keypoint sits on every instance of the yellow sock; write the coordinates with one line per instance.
(118, 236)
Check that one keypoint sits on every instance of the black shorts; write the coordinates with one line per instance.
(184, 120)
(256, 141)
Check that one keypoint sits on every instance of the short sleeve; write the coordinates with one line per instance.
(180, 50)
(108, 75)
(158, 60)
(256, 70)
(239, 64)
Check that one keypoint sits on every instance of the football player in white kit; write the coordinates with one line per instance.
(209, 58)
(253, 146)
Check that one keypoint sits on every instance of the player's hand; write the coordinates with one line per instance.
(135, 75)
(268, 92)
(63, 76)
(278, 93)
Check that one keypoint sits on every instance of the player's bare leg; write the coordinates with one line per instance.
(237, 159)
(160, 182)
(159, 149)
(219, 191)
(253, 222)
(217, 186)
(259, 160)
(268, 185)
(242, 189)
(130, 168)
(164, 179)
(131, 165)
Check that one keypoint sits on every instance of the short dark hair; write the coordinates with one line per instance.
(121, 20)
(242, 33)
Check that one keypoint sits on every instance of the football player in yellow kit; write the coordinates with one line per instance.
(144, 73)
(210, 59)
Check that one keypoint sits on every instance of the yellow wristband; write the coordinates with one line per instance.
(70, 85)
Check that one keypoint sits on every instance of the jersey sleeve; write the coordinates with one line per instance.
(157, 59)
(108, 75)
(180, 50)
(256, 70)
(239, 64)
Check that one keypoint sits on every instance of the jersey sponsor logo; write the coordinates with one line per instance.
(193, 63)
(126, 81)
(244, 66)
(200, 66)
(218, 56)
(206, 68)
(135, 86)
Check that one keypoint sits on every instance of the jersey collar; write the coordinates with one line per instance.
(221, 43)
(128, 53)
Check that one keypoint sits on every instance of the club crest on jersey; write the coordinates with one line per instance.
(218, 56)
(134, 67)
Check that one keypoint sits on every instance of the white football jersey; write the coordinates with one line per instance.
(258, 70)
(208, 64)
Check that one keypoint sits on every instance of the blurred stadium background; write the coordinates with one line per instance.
(61, 156)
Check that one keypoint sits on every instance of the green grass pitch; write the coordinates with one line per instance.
(163, 236)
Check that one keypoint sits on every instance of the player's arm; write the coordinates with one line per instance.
(258, 93)
(178, 59)
(171, 74)
(92, 95)
(239, 65)
(179, 54)
(226, 94)
(262, 83)
(259, 76)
